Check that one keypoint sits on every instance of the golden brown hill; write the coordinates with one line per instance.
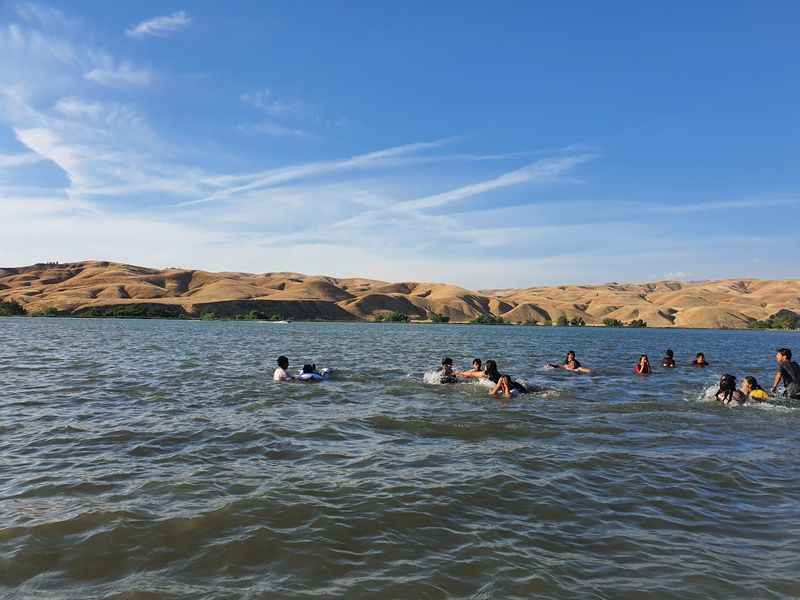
(78, 287)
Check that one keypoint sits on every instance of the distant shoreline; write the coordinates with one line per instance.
(376, 323)
(103, 289)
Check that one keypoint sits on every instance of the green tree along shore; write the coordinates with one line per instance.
(488, 320)
(137, 311)
(392, 317)
(783, 319)
(11, 309)
(636, 323)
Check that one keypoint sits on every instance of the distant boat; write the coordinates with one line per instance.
(275, 322)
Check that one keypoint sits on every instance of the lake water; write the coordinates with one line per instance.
(157, 459)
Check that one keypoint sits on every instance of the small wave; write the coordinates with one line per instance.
(709, 394)
(432, 377)
(774, 406)
(435, 378)
(468, 431)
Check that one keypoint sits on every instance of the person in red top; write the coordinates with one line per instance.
(643, 366)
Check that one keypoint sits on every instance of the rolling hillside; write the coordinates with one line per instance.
(79, 287)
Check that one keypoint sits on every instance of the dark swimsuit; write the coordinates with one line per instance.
(447, 378)
(512, 385)
(790, 374)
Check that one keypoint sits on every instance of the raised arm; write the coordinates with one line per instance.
(777, 381)
(471, 374)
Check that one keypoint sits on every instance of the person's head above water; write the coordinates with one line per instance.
(309, 368)
(447, 366)
(750, 384)
(783, 355)
(644, 360)
(700, 358)
(476, 364)
(570, 356)
(490, 368)
(669, 354)
(727, 383)
(283, 362)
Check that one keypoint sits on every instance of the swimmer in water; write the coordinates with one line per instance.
(643, 366)
(476, 372)
(503, 383)
(788, 372)
(700, 360)
(727, 392)
(571, 364)
(310, 373)
(280, 373)
(752, 390)
(446, 374)
(668, 362)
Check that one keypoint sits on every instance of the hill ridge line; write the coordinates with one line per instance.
(77, 287)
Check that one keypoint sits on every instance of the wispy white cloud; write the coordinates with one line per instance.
(18, 160)
(287, 118)
(160, 26)
(268, 102)
(47, 54)
(44, 16)
(48, 145)
(18, 41)
(118, 74)
(271, 128)
(110, 114)
(696, 207)
(104, 149)
(547, 169)
(265, 179)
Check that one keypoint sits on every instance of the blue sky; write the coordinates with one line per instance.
(486, 144)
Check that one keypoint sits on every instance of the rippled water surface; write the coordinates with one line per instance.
(157, 459)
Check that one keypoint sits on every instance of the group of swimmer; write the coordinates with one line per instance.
(503, 384)
(309, 372)
(788, 373)
(642, 366)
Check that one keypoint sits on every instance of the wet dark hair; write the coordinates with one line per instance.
(670, 353)
(571, 352)
(785, 352)
(476, 362)
(491, 371)
(647, 358)
(447, 361)
(751, 381)
(727, 385)
(309, 368)
(282, 360)
(698, 355)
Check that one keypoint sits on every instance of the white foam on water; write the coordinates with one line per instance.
(432, 377)
(709, 394)
(772, 407)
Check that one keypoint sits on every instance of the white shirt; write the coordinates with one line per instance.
(281, 375)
